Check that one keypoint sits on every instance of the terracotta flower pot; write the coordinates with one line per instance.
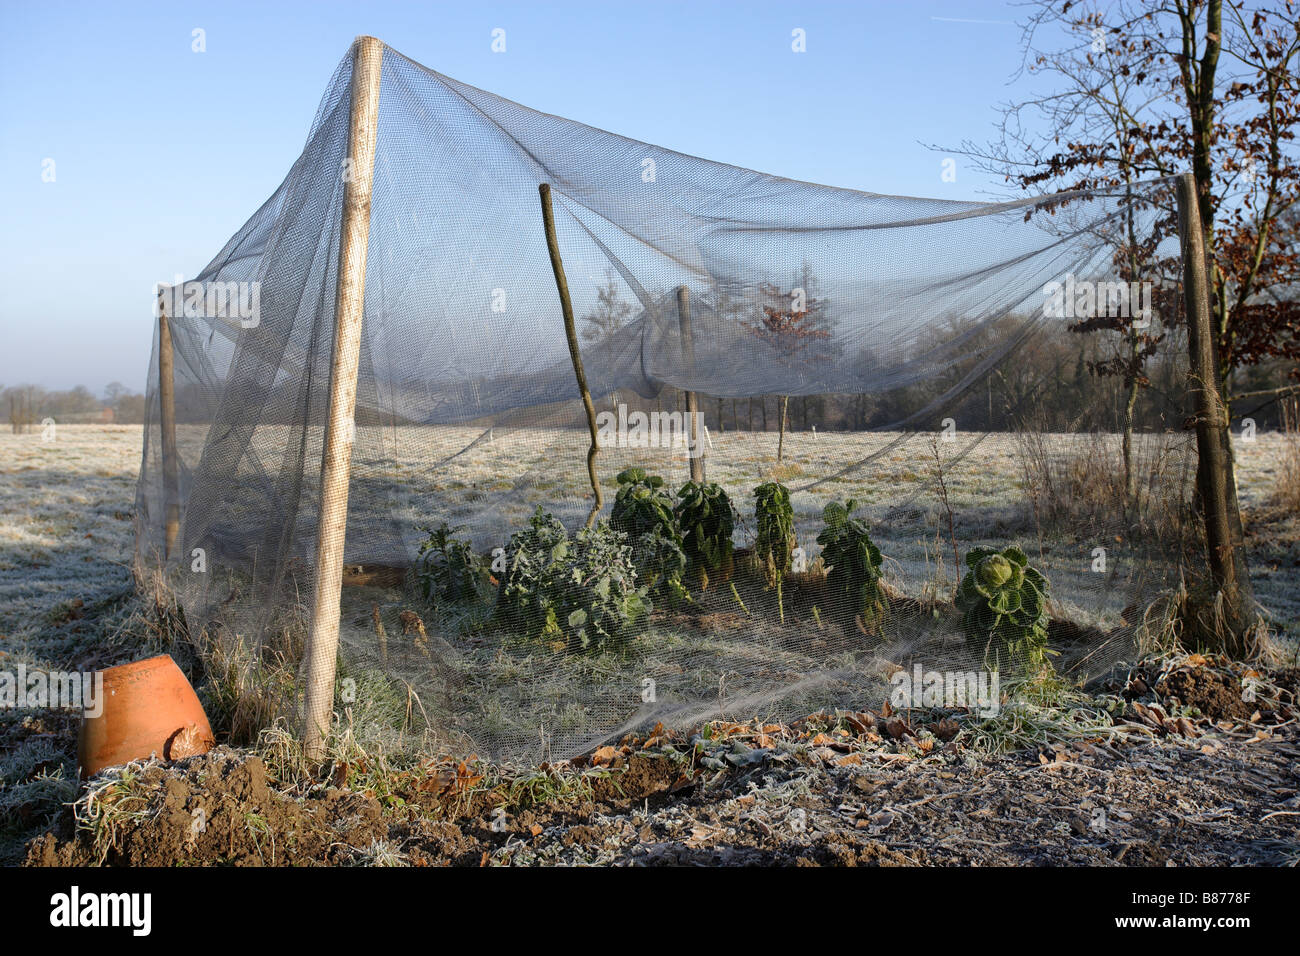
(148, 708)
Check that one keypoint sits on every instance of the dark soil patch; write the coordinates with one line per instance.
(1214, 694)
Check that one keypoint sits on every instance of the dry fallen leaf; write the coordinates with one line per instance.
(897, 729)
(945, 729)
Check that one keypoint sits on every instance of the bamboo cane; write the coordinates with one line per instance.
(571, 333)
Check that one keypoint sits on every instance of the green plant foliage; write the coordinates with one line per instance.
(602, 599)
(1004, 601)
(643, 510)
(661, 564)
(707, 520)
(774, 539)
(641, 504)
(853, 562)
(580, 592)
(529, 598)
(447, 568)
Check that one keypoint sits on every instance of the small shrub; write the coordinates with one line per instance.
(707, 520)
(528, 598)
(447, 568)
(1004, 600)
(579, 593)
(854, 563)
(602, 600)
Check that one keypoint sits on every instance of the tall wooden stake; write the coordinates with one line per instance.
(571, 333)
(167, 421)
(1215, 491)
(692, 400)
(336, 463)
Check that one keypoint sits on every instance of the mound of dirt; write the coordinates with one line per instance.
(1214, 694)
(216, 809)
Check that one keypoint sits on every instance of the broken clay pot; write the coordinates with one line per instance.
(148, 708)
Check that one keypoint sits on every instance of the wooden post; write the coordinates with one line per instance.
(571, 333)
(1216, 493)
(167, 421)
(321, 658)
(692, 400)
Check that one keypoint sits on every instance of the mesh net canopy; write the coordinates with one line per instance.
(937, 364)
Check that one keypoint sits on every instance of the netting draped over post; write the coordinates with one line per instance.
(912, 354)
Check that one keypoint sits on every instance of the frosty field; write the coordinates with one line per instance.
(66, 539)
(66, 530)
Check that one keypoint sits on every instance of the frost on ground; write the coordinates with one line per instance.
(66, 532)
(1212, 795)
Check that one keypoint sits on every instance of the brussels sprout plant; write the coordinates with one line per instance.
(774, 539)
(643, 510)
(578, 593)
(706, 519)
(447, 568)
(1003, 599)
(853, 563)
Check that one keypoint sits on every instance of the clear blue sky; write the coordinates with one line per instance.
(161, 153)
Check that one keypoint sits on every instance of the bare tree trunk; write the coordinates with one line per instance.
(1227, 632)
(1130, 407)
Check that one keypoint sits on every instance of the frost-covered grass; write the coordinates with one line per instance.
(66, 528)
(66, 538)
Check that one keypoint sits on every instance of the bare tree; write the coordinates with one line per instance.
(792, 324)
(610, 313)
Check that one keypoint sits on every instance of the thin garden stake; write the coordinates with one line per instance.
(566, 307)
(692, 400)
(167, 421)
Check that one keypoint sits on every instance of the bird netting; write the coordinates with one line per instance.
(933, 432)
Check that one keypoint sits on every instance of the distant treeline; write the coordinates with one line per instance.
(26, 406)
(1047, 383)
(1053, 380)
